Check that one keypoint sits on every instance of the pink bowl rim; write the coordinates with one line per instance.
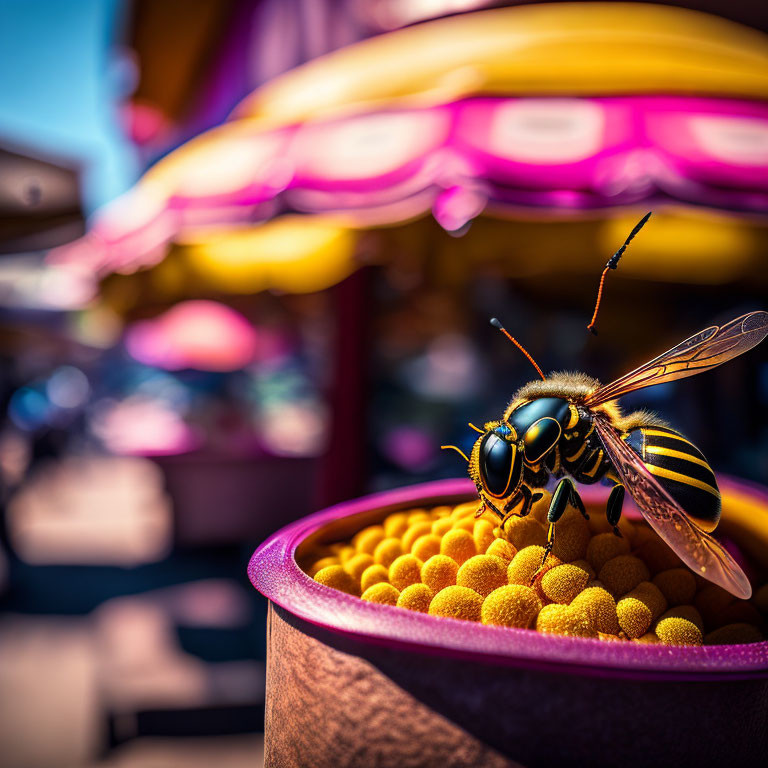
(273, 571)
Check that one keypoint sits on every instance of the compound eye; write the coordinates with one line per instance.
(540, 438)
(497, 458)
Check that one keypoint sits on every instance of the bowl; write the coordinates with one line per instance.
(352, 683)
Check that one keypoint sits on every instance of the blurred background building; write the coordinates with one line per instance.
(248, 253)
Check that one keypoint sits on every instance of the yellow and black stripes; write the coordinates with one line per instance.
(680, 467)
(582, 454)
(592, 467)
(577, 453)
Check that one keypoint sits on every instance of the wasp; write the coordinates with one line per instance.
(570, 427)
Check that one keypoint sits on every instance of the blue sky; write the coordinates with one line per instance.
(62, 78)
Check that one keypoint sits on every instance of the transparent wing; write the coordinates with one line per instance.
(698, 550)
(702, 351)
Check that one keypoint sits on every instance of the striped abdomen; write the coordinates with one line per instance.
(680, 467)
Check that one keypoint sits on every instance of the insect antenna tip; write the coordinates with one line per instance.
(496, 323)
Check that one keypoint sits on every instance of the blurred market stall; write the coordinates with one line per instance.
(551, 127)
(290, 308)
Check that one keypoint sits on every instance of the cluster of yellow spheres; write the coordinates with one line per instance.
(446, 562)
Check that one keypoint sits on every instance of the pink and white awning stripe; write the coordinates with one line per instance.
(501, 155)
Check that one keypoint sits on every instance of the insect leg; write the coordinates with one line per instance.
(576, 501)
(560, 498)
(492, 507)
(524, 494)
(513, 502)
(613, 508)
(547, 550)
(529, 499)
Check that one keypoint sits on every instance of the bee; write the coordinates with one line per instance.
(569, 426)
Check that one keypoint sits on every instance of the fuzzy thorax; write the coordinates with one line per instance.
(575, 387)
(570, 385)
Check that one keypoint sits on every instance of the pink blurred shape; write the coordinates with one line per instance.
(140, 426)
(206, 603)
(203, 335)
(409, 447)
(144, 122)
(455, 207)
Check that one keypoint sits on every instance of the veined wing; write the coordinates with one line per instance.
(698, 550)
(702, 351)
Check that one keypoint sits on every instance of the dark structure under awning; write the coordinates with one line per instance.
(40, 202)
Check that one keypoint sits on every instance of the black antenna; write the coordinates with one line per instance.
(613, 263)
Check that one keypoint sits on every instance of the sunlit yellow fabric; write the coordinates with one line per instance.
(564, 48)
(295, 254)
(746, 522)
(309, 253)
(567, 48)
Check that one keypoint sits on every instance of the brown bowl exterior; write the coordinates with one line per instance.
(356, 684)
